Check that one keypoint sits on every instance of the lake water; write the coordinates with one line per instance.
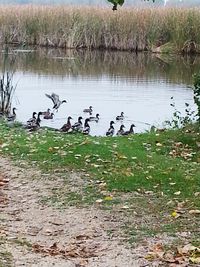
(140, 85)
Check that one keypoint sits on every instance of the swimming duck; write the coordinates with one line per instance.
(36, 125)
(88, 110)
(111, 130)
(12, 117)
(78, 126)
(121, 130)
(46, 112)
(94, 118)
(131, 131)
(120, 117)
(32, 120)
(67, 126)
(48, 116)
(56, 101)
(86, 129)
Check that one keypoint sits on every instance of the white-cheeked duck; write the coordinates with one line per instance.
(86, 129)
(12, 116)
(78, 126)
(120, 117)
(121, 130)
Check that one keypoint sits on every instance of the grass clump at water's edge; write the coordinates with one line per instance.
(164, 163)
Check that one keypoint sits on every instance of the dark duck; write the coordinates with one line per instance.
(78, 126)
(96, 118)
(131, 130)
(31, 120)
(121, 130)
(86, 129)
(67, 127)
(88, 110)
(56, 101)
(36, 125)
(12, 116)
(120, 117)
(111, 130)
(48, 116)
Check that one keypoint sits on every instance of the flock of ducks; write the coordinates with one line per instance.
(33, 123)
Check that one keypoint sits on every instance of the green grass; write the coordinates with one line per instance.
(142, 162)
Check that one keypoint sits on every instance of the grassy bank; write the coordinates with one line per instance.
(127, 29)
(164, 163)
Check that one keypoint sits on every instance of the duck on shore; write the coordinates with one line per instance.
(35, 125)
(32, 120)
(96, 118)
(67, 127)
(56, 101)
(121, 130)
(120, 117)
(12, 116)
(78, 126)
(86, 129)
(111, 129)
(131, 130)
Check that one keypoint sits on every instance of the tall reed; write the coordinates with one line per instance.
(92, 27)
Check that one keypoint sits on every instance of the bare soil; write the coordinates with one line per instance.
(37, 234)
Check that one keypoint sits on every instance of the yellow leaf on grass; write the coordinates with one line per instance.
(108, 198)
(195, 260)
(174, 214)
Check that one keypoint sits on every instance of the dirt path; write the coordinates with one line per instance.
(31, 231)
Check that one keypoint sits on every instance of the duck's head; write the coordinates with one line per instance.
(133, 125)
(122, 126)
(69, 118)
(40, 113)
(80, 118)
(97, 115)
(34, 113)
(52, 114)
(111, 123)
(90, 107)
(122, 113)
(87, 120)
(64, 101)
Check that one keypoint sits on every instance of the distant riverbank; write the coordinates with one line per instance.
(158, 30)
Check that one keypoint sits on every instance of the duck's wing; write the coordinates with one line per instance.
(53, 97)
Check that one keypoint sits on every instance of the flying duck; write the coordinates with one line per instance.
(88, 110)
(67, 126)
(32, 120)
(12, 117)
(35, 125)
(48, 116)
(111, 130)
(78, 126)
(86, 129)
(94, 118)
(56, 101)
(121, 130)
(120, 117)
(131, 131)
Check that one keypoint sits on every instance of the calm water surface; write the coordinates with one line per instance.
(139, 85)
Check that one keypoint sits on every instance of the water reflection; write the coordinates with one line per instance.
(138, 84)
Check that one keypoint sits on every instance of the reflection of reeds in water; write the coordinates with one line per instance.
(92, 27)
(6, 93)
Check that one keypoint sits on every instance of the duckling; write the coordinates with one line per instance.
(121, 130)
(94, 118)
(48, 116)
(86, 129)
(111, 130)
(32, 120)
(78, 126)
(36, 125)
(120, 117)
(56, 101)
(131, 131)
(88, 110)
(12, 117)
(67, 126)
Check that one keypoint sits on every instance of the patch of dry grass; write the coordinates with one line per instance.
(92, 27)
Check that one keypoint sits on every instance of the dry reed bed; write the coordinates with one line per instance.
(92, 27)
